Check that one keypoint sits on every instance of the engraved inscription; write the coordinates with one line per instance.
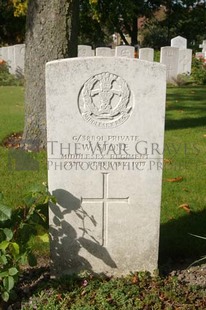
(105, 200)
(125, 53)
(104, 100)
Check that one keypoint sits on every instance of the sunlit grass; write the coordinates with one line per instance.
(185, 149)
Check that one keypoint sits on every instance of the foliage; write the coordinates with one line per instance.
(8, 79)
(185, 18)
(182, 80)
(202, 258)
(199, 70)
(121, 16)
(91, 32)
(154, 34)
(136, 291)
(20, 7)
(17, 227)
(12, 27)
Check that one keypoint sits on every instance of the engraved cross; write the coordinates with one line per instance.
(105, 200)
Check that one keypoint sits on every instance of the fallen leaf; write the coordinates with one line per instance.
(185, 189)
(204, 136)
(135, 280)
(178, 179)
(59, 297)
(185, 207)
(167, 161)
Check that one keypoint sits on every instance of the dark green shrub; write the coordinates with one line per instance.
(199, 70)
(8, 79)
(17, 228)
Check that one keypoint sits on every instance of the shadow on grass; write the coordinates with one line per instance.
(196, 93)
(176, 243)
(184, 123)
(191, 103)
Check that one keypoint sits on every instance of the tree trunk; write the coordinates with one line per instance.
(134, 32)
(51, 33)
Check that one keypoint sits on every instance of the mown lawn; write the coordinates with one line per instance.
(183, 208)
(183, 211)
(16, 182)
(184, 202)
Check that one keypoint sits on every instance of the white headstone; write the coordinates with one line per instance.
(179, 42)
(11, 61)
(19, 53)
(185, 61)
(203, 46)
(85, 51)
(124, 51)
(104, 51)
(4, 53)
(105, 126)
(169, 56)
(146, 53)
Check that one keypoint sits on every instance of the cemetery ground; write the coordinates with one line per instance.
(183, 214)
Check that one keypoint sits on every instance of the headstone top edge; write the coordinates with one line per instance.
(168, 46)
(106, 59)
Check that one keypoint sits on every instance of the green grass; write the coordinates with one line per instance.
(15, 184)
(185, 148)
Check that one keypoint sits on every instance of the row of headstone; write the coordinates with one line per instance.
(119, 51)
(14, 56)
(177, 58)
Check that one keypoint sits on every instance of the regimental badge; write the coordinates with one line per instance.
(105, 100)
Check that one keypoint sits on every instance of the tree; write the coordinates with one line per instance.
(12, 25)
(121, 16)
(91, 32)
(186, 18)
(51, 33)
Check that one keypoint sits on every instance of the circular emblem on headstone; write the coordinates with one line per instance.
(104, 100)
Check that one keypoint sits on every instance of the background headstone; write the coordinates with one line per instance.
(11, 61)
(4, 53)
(185, 61)
(19, 53)
(203, 46)
(146, 53)
(124, 51)
(85, 51)
(104, 51)
(169, 56)
(179, 42)
(105, 125)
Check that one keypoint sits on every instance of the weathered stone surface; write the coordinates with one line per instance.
(179, 42)
(19, 54)
(105, 126)
(203, 46)
(146, 53)
(85, 51)
(169, 56)
(4, 53)
(124, 51)
(104, 51)
(185, 61)
(10, 60)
